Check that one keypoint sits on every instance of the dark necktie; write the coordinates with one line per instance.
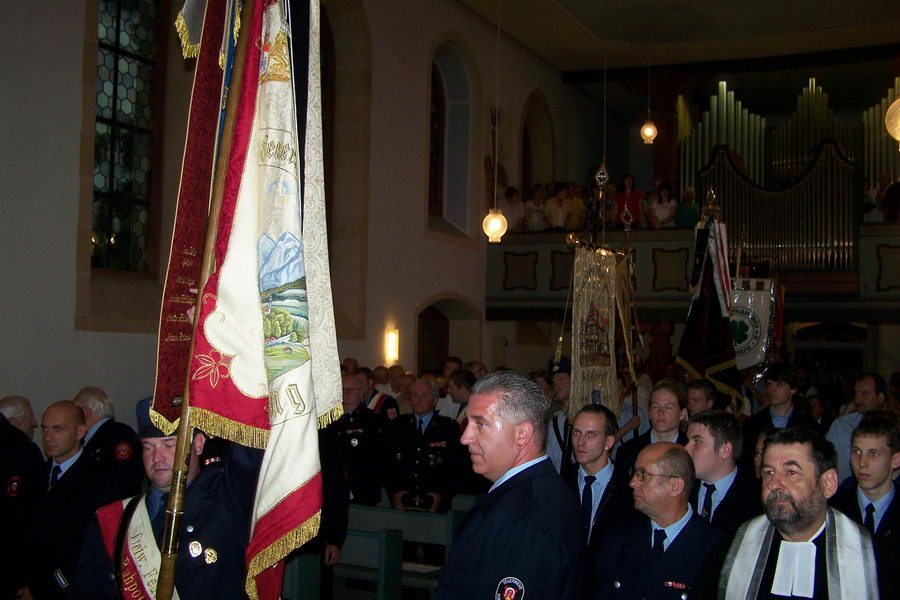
(56, 471)
(659, 537)
(421, 428)
(706, 513)
(587, 500)
(869, 521)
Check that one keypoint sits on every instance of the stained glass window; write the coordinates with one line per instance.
(124, 138)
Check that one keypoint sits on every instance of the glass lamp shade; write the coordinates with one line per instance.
(648, 132)
(892, 120)
(494, 225)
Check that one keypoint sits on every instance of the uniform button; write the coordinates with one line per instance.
(684, 596)
(189, 528)
(617, 585)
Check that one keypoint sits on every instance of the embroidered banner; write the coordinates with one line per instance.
(753, 311)
(593, 328)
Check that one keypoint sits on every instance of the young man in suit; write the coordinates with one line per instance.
(671, 552)
(873, 502)
(602, 486)
(723, 494)
(668, 408)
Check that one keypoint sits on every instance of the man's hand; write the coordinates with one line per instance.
(396, 499)
(436, 503)
(331, 555)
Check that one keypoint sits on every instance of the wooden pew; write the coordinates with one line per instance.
(419, 527)
(372, 556)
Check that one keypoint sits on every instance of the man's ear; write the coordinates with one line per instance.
(829, 482)
(726, 450)
(610, 442)
(199, 443)
(524, 434)
(676, 486)
(895, 461)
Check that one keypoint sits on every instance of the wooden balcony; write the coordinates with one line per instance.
(528, 278)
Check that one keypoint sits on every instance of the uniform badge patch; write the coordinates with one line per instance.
(123, 451)
(195, 548)
(392, 413)
(510, 588)
(12, 486)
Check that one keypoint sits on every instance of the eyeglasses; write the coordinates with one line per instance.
(642, 475)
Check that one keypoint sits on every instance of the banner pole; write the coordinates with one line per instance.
(175, 506)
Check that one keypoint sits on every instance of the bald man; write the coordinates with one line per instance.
(670, 553)
(73, 488)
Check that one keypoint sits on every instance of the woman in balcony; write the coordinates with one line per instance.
(536, 210)
(631, 199)
(663, 208)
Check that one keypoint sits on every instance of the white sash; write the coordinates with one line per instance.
(849, 559)
(146, 557)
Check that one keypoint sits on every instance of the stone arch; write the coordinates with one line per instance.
(348, 196)
(452, 159)
(447, 324)
(537, 142)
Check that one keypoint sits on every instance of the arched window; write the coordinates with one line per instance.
(448, 159)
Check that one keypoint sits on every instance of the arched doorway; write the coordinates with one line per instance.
(447, 326)
(537, 141)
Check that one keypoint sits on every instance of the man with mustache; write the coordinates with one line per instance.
(800, 548)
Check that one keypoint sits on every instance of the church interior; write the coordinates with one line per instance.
(431, 109)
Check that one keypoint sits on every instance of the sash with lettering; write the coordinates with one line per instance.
(140, 555)
(265, 369)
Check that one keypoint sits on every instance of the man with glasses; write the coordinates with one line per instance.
(671, 552)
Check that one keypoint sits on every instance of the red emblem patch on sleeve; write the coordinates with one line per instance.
(123, 451)
(392, 413)
(12, 486)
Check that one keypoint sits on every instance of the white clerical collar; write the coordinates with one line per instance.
(795, 573)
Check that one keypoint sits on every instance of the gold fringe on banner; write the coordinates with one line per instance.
(188, 50)
(331, 416)
(239, 433)
(279, 549)
(593, 328)
(163, 424)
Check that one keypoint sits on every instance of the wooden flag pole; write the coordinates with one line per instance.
(175, 505)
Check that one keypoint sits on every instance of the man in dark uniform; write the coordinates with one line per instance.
(376, 401)
(112, 444)
(21, 480)
(424, 455)
(602, 486)
(524, 537)
(357, 442)
(215, 527)
(668, 408)
(73, 488)
(874, 502)
(671, 552)
(723, 494)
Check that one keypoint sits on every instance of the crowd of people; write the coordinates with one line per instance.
(685, 493)
(567, 206)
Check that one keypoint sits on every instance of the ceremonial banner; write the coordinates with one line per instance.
(185, 252)
(706, 349)
(753, 311)
(593, 329)
(265, 370)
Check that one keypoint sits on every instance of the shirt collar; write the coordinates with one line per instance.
(515, 471)
(90, 432)
(64, 466)
(675, 528)
(723, 484)
(603, 475)
(425, 420)
(881, 505)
